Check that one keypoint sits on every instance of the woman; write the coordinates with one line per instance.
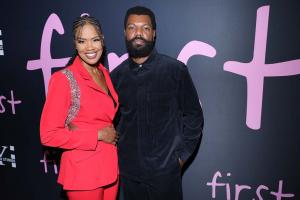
(77, 117)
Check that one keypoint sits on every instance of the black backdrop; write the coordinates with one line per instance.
(247, 151)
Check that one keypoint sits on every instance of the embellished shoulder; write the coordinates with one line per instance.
(75, 96)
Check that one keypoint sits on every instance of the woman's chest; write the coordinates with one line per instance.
(95, 104)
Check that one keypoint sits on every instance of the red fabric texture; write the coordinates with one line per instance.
(103, 193)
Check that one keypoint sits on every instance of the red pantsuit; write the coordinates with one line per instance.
(86, 163)
(102, 193)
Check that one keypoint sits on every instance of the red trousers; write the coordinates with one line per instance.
(103, 193)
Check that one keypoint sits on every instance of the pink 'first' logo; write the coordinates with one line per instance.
(254, 71)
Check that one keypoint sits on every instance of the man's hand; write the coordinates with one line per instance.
(181, 163)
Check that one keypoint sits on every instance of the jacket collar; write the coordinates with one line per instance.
(88, 80)
(77, 64)
(146, 65)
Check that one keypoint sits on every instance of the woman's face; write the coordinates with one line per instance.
(89, 45)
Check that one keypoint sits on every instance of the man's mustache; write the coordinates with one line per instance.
(138, 38)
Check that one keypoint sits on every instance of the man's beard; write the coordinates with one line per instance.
(139, 51)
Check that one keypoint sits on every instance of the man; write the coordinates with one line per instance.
(160, 118)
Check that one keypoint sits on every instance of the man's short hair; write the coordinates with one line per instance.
(140, 10)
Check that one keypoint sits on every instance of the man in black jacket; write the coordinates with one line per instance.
(160, 118)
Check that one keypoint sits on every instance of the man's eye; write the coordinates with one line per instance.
(130, 27)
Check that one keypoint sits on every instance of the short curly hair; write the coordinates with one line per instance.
(140, 10)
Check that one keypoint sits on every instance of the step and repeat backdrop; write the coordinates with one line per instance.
(243, 56)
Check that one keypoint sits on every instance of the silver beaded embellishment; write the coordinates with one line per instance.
(75, 96)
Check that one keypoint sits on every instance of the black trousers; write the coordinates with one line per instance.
(157, 188)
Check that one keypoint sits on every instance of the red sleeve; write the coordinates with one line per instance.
(52, 126)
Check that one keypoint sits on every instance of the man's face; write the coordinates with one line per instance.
(139, 36)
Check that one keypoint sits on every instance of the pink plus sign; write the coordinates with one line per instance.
(256, 70)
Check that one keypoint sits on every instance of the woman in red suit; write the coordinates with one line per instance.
(77, 117)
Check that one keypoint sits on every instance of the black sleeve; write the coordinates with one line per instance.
(114, 78)
(192, 115)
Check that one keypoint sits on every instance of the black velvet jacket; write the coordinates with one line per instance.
(160, 118)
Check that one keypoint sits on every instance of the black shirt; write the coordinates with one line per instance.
(160, 118)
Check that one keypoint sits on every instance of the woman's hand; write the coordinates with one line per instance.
(108, 135)
(72, 127)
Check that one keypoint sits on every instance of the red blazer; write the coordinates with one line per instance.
(86, 162)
